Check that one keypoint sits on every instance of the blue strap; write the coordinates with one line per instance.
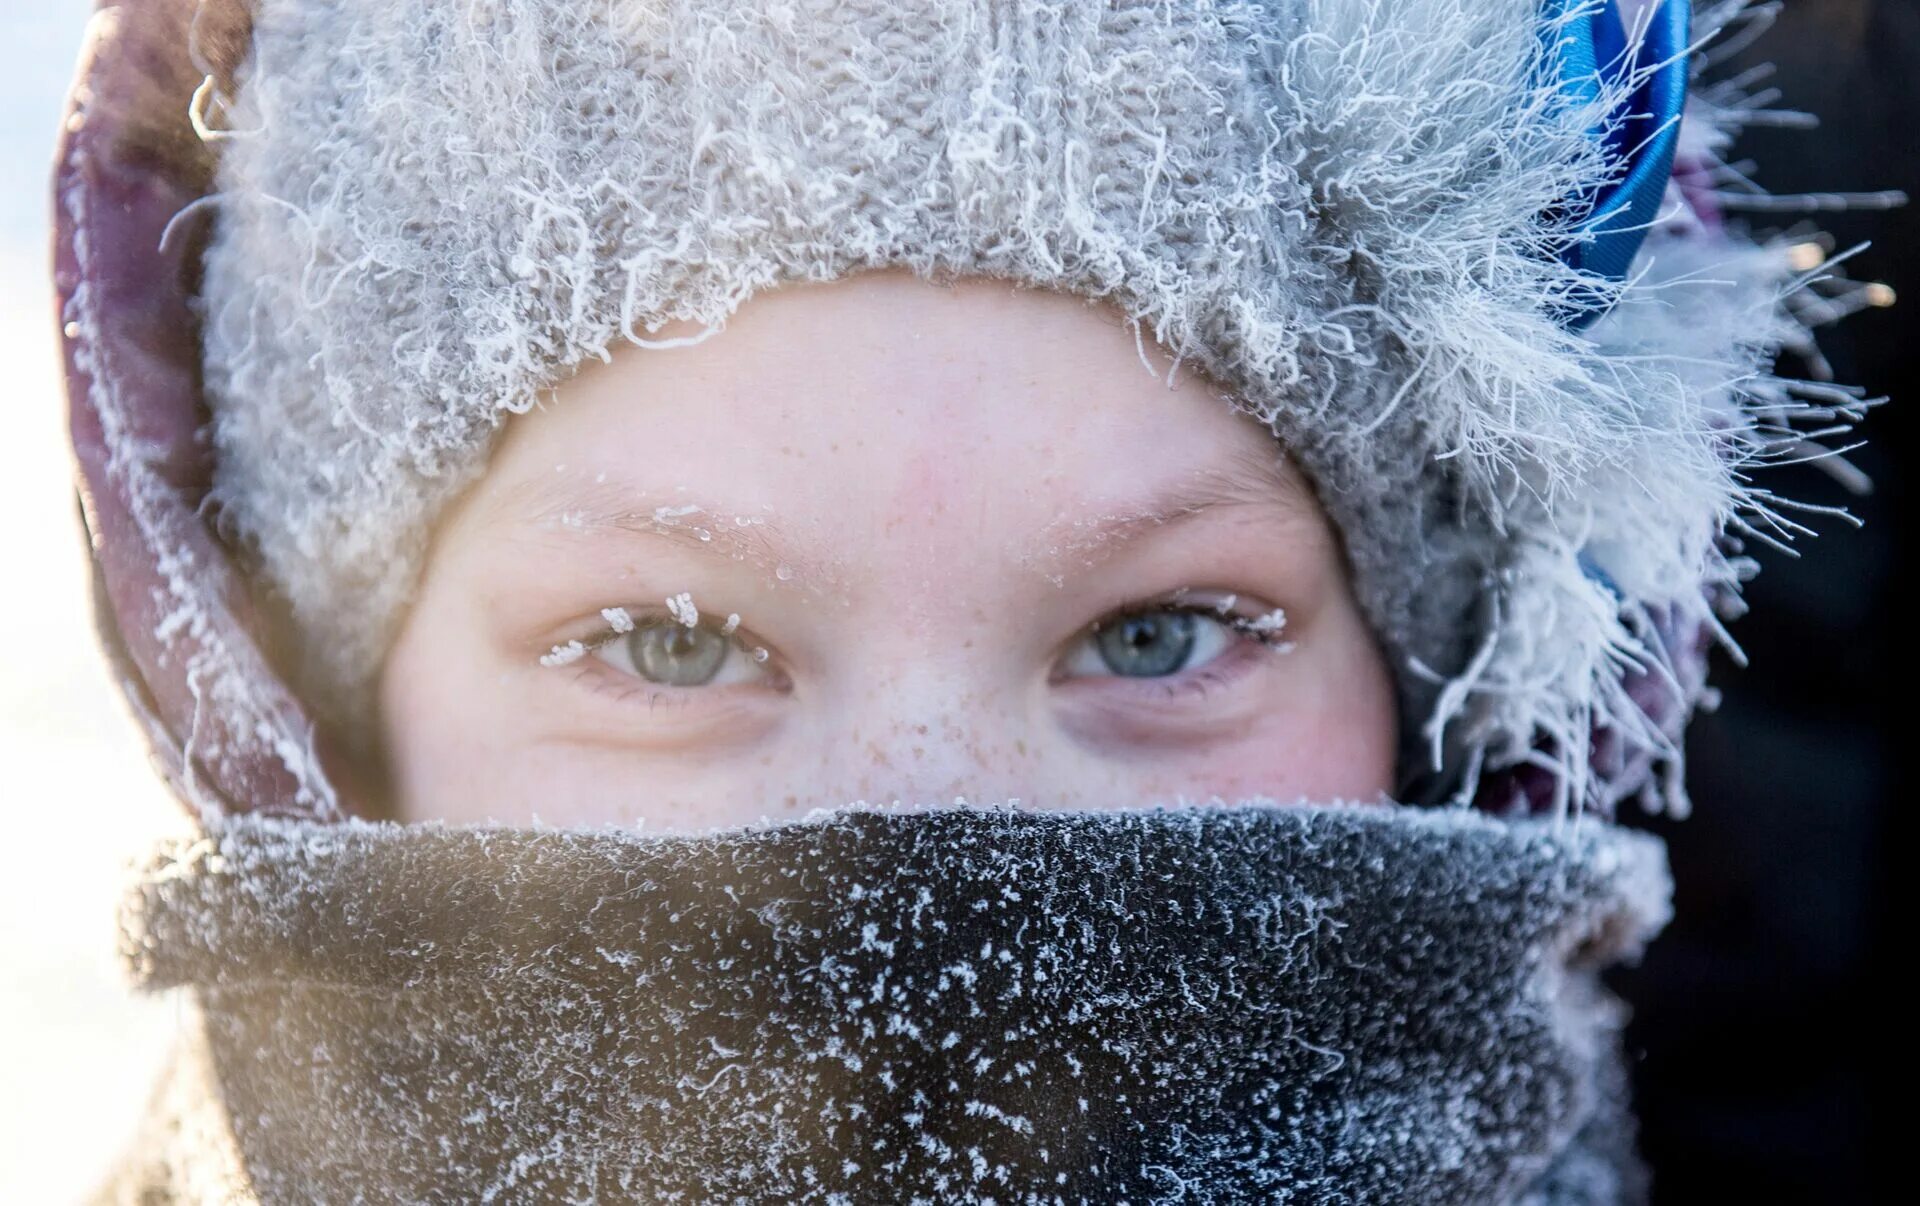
(1587, 51)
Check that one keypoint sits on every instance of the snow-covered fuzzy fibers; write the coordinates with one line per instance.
(1223, 1004)
(1346, 213)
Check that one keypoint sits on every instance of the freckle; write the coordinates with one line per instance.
(921, 729)
(919, 753)
(791, 802)
(1020, 744)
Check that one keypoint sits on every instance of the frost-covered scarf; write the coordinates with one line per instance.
(1209, 1004)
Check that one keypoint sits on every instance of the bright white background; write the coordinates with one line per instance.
(77, 1052)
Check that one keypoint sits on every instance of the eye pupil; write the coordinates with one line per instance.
(674, 655)
(1150, 645)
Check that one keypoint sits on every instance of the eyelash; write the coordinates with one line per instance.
(1201, 683)
(1253, 628)
(642, 619)
(1257, 630)
(626, 690)
(587, 670)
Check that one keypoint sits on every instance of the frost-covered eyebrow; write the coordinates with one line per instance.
(1267, 482)
(702, 527)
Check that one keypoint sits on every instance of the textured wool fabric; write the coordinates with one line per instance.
(1210, 1004)
(1350, 215)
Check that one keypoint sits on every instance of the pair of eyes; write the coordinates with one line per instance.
(1145, 643)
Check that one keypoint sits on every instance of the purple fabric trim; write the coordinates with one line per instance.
(174, 612)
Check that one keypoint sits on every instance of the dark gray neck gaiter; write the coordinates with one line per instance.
(1209, 1004)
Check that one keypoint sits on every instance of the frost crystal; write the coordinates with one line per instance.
(1272, 622)
(564, 655)
(681, 608)
(617, 619)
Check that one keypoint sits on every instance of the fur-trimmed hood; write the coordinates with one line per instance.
(1546, 519)
(1363, 220)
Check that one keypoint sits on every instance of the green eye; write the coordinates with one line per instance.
(1148, 645)
(672, 654)
(678, 649)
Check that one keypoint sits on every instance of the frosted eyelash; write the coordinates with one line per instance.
(1264, 629)
(571, 652)
(621, 623)
(618, 619)
(681, 608)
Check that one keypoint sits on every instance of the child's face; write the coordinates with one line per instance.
(973, 548)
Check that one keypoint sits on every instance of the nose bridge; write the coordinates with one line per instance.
(927, 726)
(932, 694)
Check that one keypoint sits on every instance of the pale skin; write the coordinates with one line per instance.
(935, 541)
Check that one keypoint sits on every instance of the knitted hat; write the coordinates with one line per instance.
(1432, 244)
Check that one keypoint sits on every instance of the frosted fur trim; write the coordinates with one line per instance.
(1343, 212)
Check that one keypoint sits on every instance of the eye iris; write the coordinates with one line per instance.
(1147, 646)
(675, 655)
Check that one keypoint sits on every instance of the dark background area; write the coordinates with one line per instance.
(1768, 1035)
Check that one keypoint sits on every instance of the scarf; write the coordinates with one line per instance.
(1193, 1004)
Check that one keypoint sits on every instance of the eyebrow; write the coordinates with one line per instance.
(1265, 481)
(698, 526)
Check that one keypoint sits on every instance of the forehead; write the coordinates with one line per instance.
(882, 401)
